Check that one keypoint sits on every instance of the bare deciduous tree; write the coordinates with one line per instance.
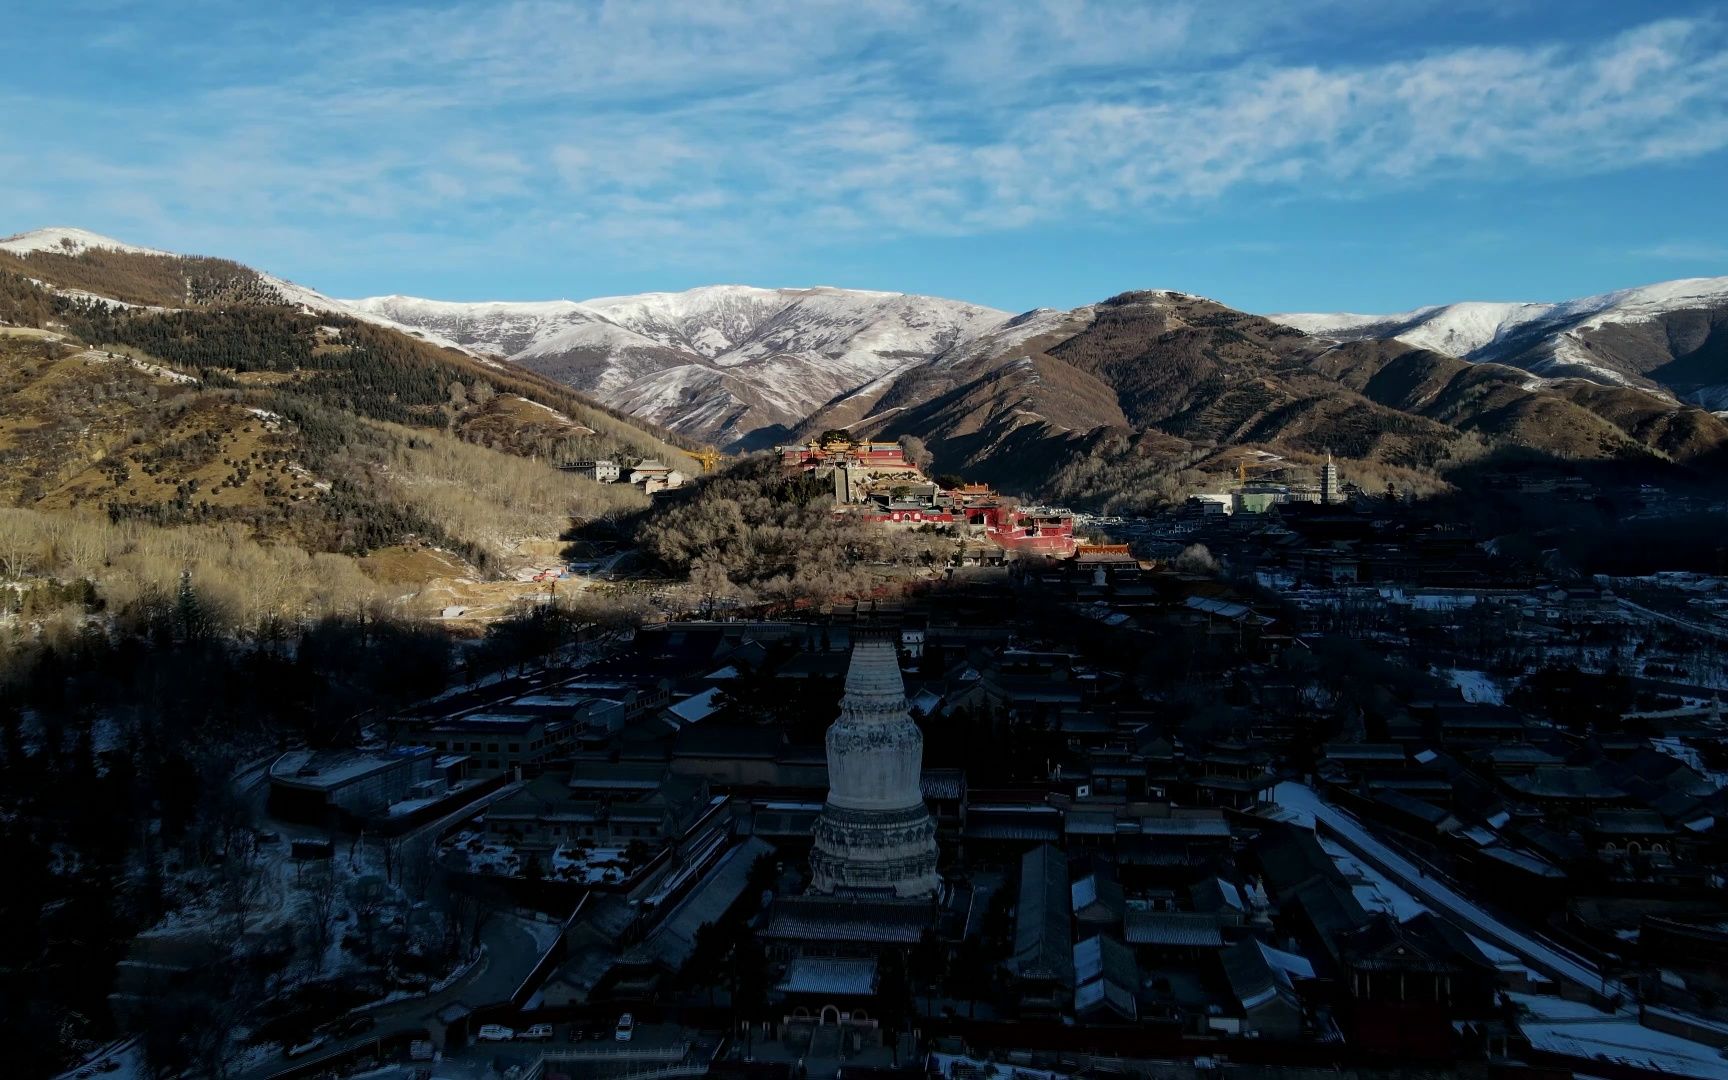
(320, 904)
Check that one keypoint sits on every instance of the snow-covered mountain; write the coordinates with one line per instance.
(64, 240)
(728, 363)
(1671, 336)
(743, 367)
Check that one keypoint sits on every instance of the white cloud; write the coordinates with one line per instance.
(1685, 251)
(801, 121)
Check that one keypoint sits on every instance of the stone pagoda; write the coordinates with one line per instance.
(875, 834)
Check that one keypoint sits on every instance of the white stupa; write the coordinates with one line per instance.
(875, 834)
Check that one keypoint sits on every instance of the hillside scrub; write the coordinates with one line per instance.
(775, 536)
(359, 438)
(490, 500)
(1119, 472)
(245, 581)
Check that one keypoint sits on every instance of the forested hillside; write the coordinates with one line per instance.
(151, 280)
(324, 433)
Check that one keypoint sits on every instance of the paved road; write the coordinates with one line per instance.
(510, 950)
(1674, 620)
(510, 953)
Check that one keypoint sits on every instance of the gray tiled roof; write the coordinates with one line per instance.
(1192, 929)
(803, 919)
(672, 941)
(848, 976)
(1042, 943)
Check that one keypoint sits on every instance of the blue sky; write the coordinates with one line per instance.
(1279, 155)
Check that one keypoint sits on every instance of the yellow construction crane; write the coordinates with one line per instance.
(1243, 465)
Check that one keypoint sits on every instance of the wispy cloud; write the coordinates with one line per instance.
(702, 127)
(1685, 251)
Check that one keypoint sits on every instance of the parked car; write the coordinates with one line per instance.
(300, 1049)
(538, 1031)
(626, 1028)
(496, 1033)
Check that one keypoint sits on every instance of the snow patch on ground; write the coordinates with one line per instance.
(123, 1060)
(546, 408)
(1478, 687)
(589, 865)
(102, 357)
(1688, 755)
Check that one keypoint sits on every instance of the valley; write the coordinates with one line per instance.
(1058, 540)
(467, 661)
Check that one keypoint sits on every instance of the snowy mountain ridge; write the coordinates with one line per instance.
(720, 362)
(743, 366)
(1594, 337)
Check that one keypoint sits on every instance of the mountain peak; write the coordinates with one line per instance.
(719, 362)
(1632, 336)
(68, 240)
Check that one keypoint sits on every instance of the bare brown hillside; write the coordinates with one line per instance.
(1146, 386)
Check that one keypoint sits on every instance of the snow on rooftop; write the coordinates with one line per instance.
(1581, 1031)
(481, 719)
(698, 706)
(1440, 896)
(334, 768)
(1373, 889)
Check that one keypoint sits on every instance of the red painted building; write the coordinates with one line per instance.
(876, 455)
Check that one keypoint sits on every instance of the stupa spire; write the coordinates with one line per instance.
(874, 834)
